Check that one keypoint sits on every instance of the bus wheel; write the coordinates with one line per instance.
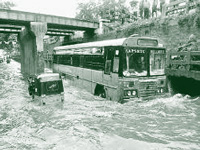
(100, 91)
(102, 94)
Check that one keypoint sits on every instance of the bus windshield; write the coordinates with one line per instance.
(135, 64)
(157, 62)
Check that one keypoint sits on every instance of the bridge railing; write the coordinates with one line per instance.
(180, 6)
(189, 60)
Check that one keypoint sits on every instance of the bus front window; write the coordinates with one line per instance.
(157, 62)
(135, 65)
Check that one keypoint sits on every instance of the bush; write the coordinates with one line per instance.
(191, 20)
(197, 21)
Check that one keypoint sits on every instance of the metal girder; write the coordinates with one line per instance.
(17, 29)
(9, 30)
(10, 26)
(60, 30)
(58, 33)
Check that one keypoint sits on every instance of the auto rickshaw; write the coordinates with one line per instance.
(44, 85)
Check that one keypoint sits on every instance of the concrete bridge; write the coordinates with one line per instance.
(31, 29)
(183, 72)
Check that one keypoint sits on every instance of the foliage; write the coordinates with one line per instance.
(190, 20)
(105, 9)
(197, 21)
(136, 26)
(87, 11)
(6, 38)
(164, 24)
(133, 3)
(183, 20)
(6, 5)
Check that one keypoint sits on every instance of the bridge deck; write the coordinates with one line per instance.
(23, 18)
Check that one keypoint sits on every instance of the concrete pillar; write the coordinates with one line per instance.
(101, 25)
(22, 53)
(31, 41)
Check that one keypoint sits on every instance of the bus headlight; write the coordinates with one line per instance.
(160, 90)
(130, 93)
(134, 93)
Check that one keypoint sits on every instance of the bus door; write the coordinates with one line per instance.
(111, 65)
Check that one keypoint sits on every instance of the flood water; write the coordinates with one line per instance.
(86, 122)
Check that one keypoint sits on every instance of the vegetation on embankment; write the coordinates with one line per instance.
(172, 31)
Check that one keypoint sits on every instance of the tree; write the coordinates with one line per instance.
(6, 5)
(133, 3)
(87, 11)
(5, 37)
(103, 9)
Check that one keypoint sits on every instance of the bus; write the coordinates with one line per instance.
(119, 69)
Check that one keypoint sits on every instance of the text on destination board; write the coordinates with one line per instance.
(135, 51)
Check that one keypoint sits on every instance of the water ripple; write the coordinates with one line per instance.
(87, 122)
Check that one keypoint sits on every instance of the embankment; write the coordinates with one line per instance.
(172, 31)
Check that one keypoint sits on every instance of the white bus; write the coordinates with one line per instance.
(118, 69)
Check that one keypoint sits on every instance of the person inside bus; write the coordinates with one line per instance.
(140, 64)
(137, 63)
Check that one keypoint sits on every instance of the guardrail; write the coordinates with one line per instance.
(189, 61)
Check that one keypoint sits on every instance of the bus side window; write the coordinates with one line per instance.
(58, 59)
(107, 67)
(76, 60)
(55, 59)
(81, 61)
(116, 62)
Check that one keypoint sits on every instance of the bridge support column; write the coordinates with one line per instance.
(31, 41)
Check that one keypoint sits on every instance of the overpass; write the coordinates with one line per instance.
(32, 27)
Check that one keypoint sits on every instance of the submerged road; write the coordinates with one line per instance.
(86, 122)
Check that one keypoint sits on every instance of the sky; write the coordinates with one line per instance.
(66, 8)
